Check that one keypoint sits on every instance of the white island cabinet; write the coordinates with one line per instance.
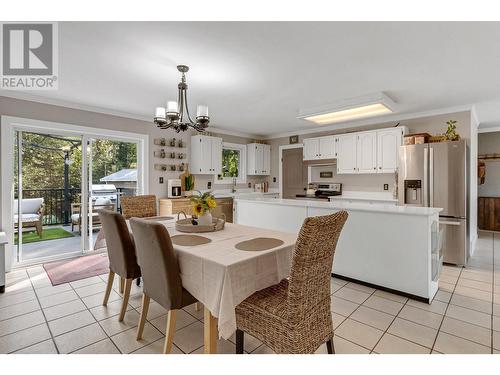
(393, 247)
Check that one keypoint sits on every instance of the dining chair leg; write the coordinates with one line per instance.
(144, 314)
(240, 341)
(126, 295)
(169, 333)
(197, 306)
(330, 347)
(122, 284)
(210, 332)
(111, 277)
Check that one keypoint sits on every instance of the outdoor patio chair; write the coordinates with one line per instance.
(31, 214)
(99, 204)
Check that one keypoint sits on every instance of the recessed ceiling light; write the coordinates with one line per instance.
(351, 109)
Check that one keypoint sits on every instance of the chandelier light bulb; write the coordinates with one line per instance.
(160, 112)
(172, 107)
(202, 111)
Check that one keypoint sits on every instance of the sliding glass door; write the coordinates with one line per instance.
(47, 187)
(112, 173)
(61, 181)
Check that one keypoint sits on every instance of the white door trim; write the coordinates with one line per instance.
(12, 124)
(280, 163)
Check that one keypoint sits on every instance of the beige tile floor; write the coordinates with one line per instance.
(464, 317)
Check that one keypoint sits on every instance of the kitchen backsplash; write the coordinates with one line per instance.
(353, 182)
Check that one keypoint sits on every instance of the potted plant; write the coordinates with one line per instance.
(202, 205)
(451, 131)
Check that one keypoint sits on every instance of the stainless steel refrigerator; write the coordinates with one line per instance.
(435, 175)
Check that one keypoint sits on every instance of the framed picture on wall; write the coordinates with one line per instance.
(294, 139)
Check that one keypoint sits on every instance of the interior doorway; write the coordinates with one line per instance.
(294, 173)
(489, 181)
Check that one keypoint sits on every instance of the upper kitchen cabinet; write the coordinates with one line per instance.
(320, 148)
(388, 142)
(347, 153)
(374, 151)
(206, 155)
(258, 159)
(366, 161)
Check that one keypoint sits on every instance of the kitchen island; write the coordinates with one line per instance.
(388, 246)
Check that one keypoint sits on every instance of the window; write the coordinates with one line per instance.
(233, 163)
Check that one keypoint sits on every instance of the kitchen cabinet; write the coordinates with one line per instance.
(347, 153)
(206, 155)
(488, 217)
(258, 159)
(388, 142)
(174, 206)
(320, 148)
(374, 151)
(224, 206)
(366, 156)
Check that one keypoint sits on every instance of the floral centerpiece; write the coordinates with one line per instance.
(202, 205)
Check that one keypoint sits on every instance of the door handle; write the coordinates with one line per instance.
(456, 223)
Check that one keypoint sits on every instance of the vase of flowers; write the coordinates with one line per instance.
(202, 206)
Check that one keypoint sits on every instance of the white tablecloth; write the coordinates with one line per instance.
(221, 276)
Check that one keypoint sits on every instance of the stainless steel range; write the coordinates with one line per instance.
(321, 191)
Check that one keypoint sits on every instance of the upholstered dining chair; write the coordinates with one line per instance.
(121, 254)
(294, 316)
(160, 274)
(138, 206)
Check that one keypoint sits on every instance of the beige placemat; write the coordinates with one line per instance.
(189, 240)
(259, 244)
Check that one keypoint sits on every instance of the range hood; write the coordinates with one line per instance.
(320, 162)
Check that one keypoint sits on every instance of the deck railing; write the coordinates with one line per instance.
(57, 207)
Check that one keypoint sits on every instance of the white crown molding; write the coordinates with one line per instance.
(373, 121)
(107, 111)
(490, 129)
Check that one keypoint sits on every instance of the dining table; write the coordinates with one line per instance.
(222, 268)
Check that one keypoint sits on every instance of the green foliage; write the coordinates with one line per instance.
(44, 168)
(451, 131)
(230, 162)
(189, 182)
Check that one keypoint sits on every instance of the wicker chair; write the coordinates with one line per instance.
(138, 206)
(294, 316)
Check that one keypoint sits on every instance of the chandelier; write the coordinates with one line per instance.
(176, 115)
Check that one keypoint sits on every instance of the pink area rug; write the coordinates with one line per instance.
(64, 271)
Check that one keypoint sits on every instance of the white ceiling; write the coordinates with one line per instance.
(255, 77)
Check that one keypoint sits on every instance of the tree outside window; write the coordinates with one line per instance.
(230, 162)
(233, 163)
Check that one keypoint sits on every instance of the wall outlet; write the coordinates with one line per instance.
(274, 179)
(386, 186)
(209, 185)
(161, 180)
(249, 185)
